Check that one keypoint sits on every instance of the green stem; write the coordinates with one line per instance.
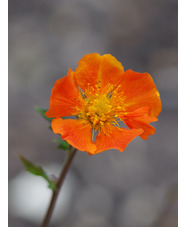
(59, 183)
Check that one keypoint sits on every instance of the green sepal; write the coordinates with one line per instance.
(38, 171)
(42, 113)
(62, 144)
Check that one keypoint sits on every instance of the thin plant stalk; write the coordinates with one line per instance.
(59, 184)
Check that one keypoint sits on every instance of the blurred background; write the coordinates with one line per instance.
(136, 188)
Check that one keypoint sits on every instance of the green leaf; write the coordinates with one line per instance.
(38, 171)
(62, 144)
(52, 185)
(42, 113)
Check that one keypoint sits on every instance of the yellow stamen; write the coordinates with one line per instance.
(102, 109)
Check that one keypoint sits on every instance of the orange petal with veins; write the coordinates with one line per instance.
(140, 119)
(65, 97)
(118, 138)
(94, 69)
(140, 91)
(75, 133)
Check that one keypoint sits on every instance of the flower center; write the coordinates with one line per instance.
(101, 109)
(98, 111)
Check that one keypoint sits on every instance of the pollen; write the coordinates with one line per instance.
(101, 108)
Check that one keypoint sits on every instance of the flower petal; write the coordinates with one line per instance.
(75, 133)
(65, 97)
(95, 69)
(140, 119)
(140, 91)
(87, 71)
(111, 70)
(119, 138)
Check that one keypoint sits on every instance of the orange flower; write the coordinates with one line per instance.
(100, 94)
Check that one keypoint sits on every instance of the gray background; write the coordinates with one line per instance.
(136, 188)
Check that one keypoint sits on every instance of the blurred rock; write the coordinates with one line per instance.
(164, 69)
(163, 147)
(126, 24)
(141, 207)
(163, 58)
(94, 202)
(20, 222)
(92, 222)
(115, 170)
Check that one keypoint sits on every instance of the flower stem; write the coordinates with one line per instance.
(59, 183)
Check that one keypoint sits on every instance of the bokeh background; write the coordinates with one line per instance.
(136, 188)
